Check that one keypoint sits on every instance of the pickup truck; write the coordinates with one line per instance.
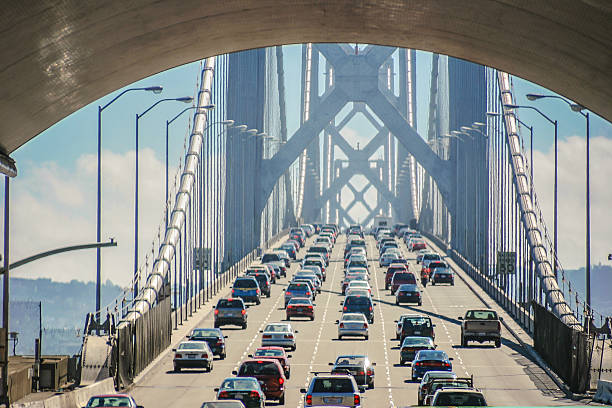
(481, 325)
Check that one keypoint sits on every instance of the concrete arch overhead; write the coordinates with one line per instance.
(59, 55)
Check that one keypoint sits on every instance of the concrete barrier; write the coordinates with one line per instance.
(604, 392)
(73, 399)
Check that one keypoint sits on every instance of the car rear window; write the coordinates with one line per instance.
(332, 385)
(269, 353)
(318, 249)
(417, 322)
(460, 399)
(258, 368)
(205, 333)
(481, 315)
(431, 257)
(357, 300)
(227, 303)
(245, 283)
(404, 277)
(297, 287)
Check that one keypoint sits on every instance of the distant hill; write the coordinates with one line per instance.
(601, 286)
(64, 308)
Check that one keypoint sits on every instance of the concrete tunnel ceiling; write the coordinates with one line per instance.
(58, 56)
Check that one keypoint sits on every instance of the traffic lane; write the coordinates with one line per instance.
(162, 387)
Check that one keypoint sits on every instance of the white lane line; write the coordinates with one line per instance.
(382, 322)
(316, 347)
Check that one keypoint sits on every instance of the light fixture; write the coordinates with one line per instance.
(7, 165)
(155, 89)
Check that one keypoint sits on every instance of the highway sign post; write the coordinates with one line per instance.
(506, 263)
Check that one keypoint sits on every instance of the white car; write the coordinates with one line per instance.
(357, 292)
(353, 324)
(279, 334)
(359, 284)
(387, 259)
(193, 354)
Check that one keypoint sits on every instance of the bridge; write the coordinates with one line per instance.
(465, 185)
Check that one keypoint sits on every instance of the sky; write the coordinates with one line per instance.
(53, 199)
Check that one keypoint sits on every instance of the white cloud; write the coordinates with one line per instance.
(572, 197)
(51, 208)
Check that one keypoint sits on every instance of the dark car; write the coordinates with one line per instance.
(320, 249)
(359, 366)
(441, 273)
(315, 262)
(263, 281)
(412, 345)
(441, 383)
(359, 304)
(430, 360)
(269, 372)
(230, 311)
(408, 293)
(300, 307)
(112, 400)
(417, 325)
(290, 249)
(245, 389)
(274, 353)
(247, 288)
(214, 338)
(402, 278)
(394, 267)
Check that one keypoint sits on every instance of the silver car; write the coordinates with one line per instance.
(193, 354)
(353, 324)
(332, 390)
(279, 334)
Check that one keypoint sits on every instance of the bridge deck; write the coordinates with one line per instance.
(506, 375)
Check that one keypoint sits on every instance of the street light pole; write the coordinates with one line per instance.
(154, 89)
(185, 99)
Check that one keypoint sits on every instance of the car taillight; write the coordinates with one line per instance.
(498, 326)
(281, 380)
(308, 399)
(266, 336)
(307, 293)
(344, 308)
(418, 363)
(287, 293)
(289, 306)
(446, 365)
(310, 307)
(357, 400)
(216, 312)
(204, 355)
(365, 325)
(253, 394)
(288, 336)
(361, 373)
(178, 356)
(219, 342)
(370, 308)
(369, 372)
(243, 311)
(233, 291)
(257, 291)
(341, 325)
(223, 394)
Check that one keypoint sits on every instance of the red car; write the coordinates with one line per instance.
(400, 278)
(269, 372)
(276, 353)
(300, 307)
(391, 271)
(417, 246)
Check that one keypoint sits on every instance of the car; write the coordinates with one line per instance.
(214, 338)
(391, 270)
(247, 288)
(230, 311)
(401, 278)
(442, 383)
(359, 284)
(332, 390)
(290, 248)
(351, 277)
(408, 293)
(284, 256)
(309, 276)
(324, 241)
(267, 371)
(359, 366)
(428, 258)
(416, 245)
(442, 273)
(311, 288)
(300, 307)
(458, 397)
(275, 353)
(359, 304)
(353, 324)
(481, 325)
(387, 259)
(428, 377)
(279, 334)
(416, 325)
(357, 292)
(245, 389)
(430, 360)
(386, 246)
(421, 254)
(313, 269)
(263, 268)
(192, 354)
(357, 260)
(315, 262)
(320, 249)
(112, 400)
(263, 282)
(412, 345)
(229, 403)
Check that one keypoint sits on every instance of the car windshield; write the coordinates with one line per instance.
(192, 346)
(205, 333)
(258, 368)
(357, 317)
(269, 353)
(460, 399)
(230, 303)
(481, 315)
(350, 360)
(332, 385)
(239, 384)
(111, 401)
(277, 328)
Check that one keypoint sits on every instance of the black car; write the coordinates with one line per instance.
(441, 273)
(408, 293)
(263, 282)
(230, 311)
(417, 325)
(214, 338)
(359, 366)
(359, 304)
